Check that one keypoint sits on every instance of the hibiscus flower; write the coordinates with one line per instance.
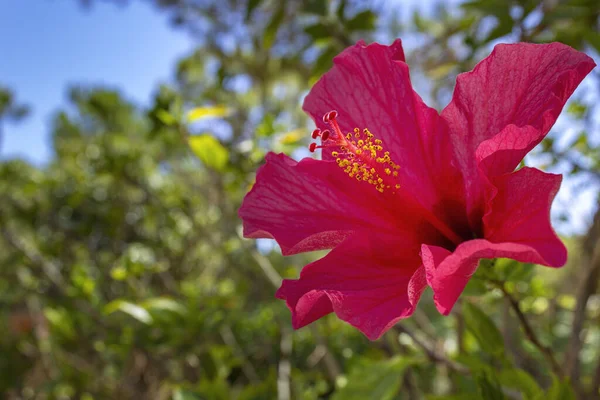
(408, 197)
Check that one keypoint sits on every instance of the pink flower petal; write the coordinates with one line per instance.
(369, 87)
(516, 226)
(520, 213)
(369, 281)
(310, 205)
(525, 85)
(520, 84)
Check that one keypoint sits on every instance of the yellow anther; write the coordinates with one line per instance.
(397, 186)
(334, 153)
(395, 174)
(378, 141)
(388, 171)
(349, 136)
(360, 142)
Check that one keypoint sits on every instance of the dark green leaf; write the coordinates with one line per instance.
(317, 31)
(252, 5)
(318, 7)
(374, 380)
(488, 387)
(363, 21)
(560, 390)
(273, 26)
(521, 381)
(324, 61)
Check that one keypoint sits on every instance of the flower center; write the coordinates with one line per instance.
(359, 154)
(363, 158)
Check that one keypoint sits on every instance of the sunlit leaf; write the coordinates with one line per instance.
(442, 70)
(163, 303)
(210, 151)
(165, 117)
(184, 394)
(208, 112)
(131, 309)
(292, 137)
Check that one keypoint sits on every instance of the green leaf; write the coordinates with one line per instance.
(341, 10)
(210, 151)
(462, 396)
(165, 117)
(511, 270)
(560, 390)
(183, 394)
(488, 387)
(318, 7)
(374, 380)
(504, 27)
(324, 61)
(593, 38)
(163, 303)
(131, 309)
(363, 21)
(520, 380)
(442, 70)
(317, 31)
(273, 26)
(483, 328)
(577, 109)
(208, 112)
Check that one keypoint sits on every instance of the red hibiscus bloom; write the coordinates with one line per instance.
(407, 197)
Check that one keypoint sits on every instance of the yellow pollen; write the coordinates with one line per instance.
(362, 157)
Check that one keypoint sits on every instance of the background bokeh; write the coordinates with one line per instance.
(130, 132)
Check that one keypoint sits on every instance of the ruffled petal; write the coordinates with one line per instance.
(506, 105)
(520, 213)
(520, 84)
(516, 226)
(310, 205)
(369, 87)
(369, 281)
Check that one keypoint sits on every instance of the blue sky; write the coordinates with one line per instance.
(46, 45)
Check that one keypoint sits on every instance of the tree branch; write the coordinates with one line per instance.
(530, 333)
(430, 350)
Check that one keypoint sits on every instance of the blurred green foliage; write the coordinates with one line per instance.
(123, 274)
